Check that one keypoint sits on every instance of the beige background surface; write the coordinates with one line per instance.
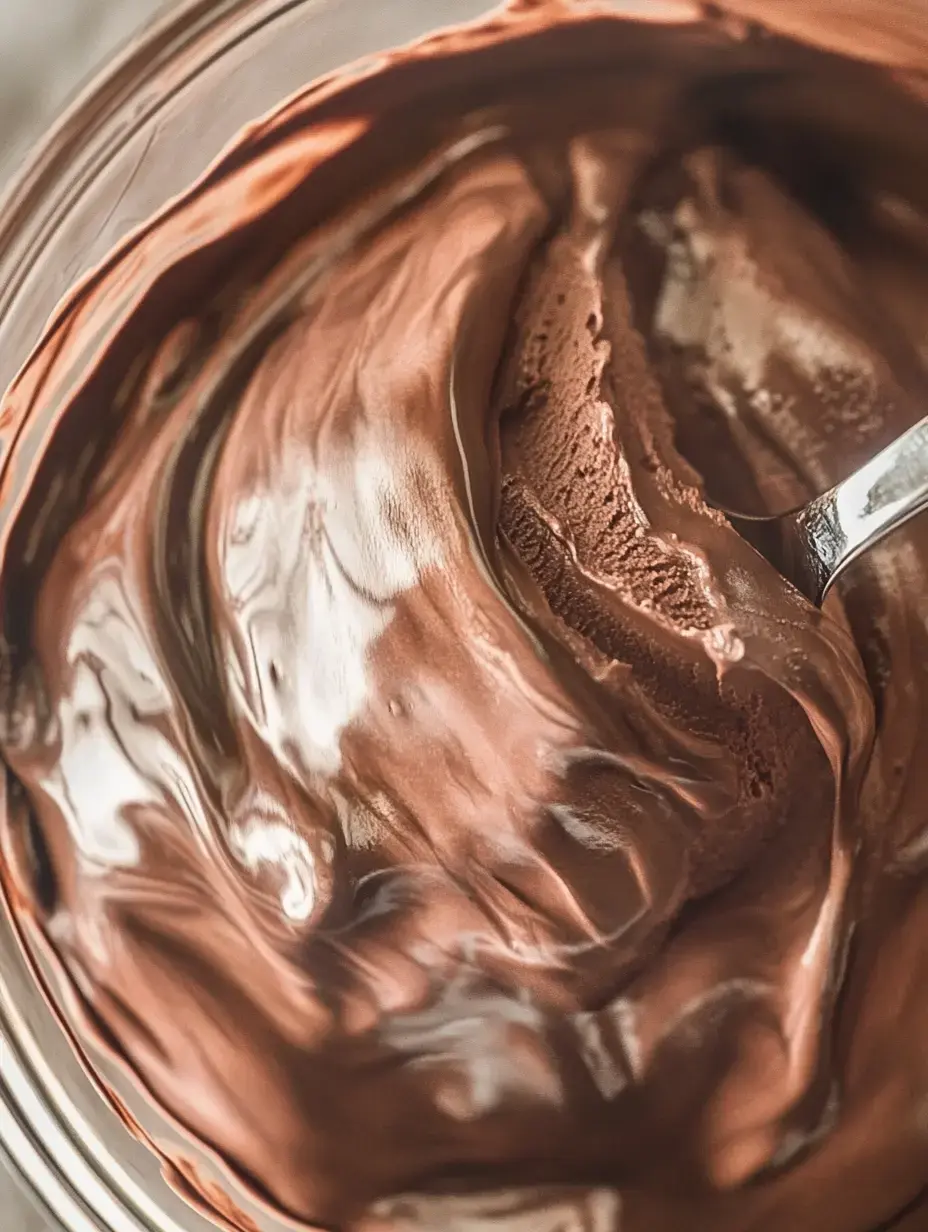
(48, 49)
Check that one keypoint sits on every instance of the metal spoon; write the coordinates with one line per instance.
(812, 546)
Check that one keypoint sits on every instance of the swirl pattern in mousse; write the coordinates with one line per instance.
(447, 818)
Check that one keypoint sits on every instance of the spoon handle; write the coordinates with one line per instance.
(836, 527)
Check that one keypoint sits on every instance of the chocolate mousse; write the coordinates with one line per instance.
(422, 790)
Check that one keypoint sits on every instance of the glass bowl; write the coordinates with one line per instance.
(140, 134)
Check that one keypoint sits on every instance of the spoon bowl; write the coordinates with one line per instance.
(813, 545)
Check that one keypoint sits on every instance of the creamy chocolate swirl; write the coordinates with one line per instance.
(442, 811)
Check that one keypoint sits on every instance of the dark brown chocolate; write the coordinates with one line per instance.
(447, 817)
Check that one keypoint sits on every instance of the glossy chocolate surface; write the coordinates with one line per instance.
(442, 811)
